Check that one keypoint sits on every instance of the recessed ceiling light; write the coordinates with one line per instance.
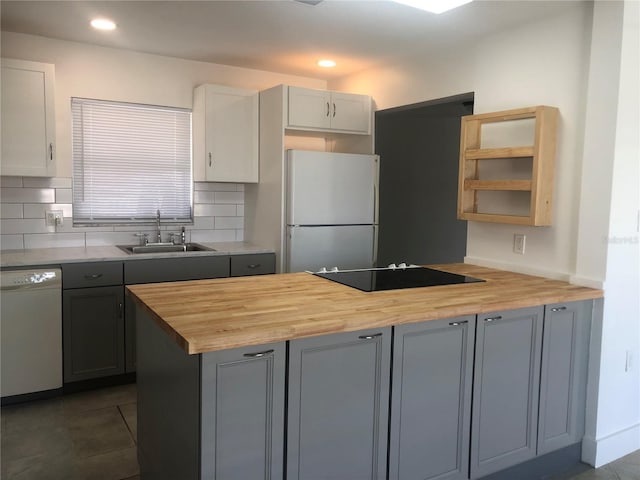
(103, 24)
(326, 63)
(434, 6)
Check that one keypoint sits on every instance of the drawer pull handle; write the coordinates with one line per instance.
(558, 309)
(209, 158)
(328, 109)
(253, 266)
(455, 324)
(94, 276)
(370, 337)
(51, 151)
(491, 319)
(120, 309)
(258, 354)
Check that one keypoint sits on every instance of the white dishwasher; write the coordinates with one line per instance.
(30, 331)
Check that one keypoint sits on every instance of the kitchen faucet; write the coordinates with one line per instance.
(158, 227)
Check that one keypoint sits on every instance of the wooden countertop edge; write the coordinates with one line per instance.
(245, 336)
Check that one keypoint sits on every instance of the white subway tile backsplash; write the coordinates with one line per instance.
(202, 223)
(46, 182)
(39, 210)
(239, 235)
(11, 210)
(213, 236)
(27, 195)
(11, 242)
(203, 210)
(10, 182)
(203, 197)
(218, 210)
(24, 225)
(229, 222)
(216, 187)
(53, 240)
(229, 197)
(64, 195)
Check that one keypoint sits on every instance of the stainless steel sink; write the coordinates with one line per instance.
(164, 248)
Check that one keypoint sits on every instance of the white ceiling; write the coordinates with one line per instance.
(281, 36)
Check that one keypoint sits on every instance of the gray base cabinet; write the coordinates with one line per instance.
(338, 406)
(431, 400)
(563, 378)
(505, 389)
(93, 332)
(243, 413)
(218, 415)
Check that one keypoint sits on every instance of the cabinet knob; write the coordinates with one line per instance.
(258, 354)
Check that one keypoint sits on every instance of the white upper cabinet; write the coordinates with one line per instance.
(225, 134)
(28, 119)
(329, 111)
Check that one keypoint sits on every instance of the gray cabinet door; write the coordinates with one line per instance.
(431, 400)
(505, 389)
(243, 413)
(93, 332)
(563, 378)
(338, 406)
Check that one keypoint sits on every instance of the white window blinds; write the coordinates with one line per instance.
(129, 161)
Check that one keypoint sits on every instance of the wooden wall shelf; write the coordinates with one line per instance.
(541, 156)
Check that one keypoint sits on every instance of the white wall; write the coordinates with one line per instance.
(543, 63)
(113, 74)
(608, 244)
(594, 237)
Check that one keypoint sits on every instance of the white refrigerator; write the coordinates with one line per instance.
(331, 210)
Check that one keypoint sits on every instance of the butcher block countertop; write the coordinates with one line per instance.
(208, 315)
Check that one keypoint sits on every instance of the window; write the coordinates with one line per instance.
(129, 161)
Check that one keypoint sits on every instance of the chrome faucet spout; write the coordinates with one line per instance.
(159, 236)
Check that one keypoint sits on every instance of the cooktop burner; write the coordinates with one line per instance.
(372, 280)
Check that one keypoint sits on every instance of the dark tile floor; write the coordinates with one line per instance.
(92, 436)
(89, 435)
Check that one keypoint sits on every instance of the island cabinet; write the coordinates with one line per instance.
(431, 400)
(505, 389)
(563, 382)
(338, 406)
(216, 415)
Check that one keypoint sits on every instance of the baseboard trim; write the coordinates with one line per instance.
(598, 452)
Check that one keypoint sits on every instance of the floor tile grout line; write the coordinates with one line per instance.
(135, 440)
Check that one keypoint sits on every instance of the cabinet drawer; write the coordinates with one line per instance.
(154, 270)
(254, 264)
(93, 274)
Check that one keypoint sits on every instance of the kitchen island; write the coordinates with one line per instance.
(230, 368)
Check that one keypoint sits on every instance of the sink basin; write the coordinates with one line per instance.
(164, 248)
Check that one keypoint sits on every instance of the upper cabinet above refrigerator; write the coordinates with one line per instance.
(329, 111)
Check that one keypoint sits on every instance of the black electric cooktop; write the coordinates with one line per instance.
(373, 280)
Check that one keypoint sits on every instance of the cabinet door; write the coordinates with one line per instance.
(243, 413)
(93, 332)
(309, 108)
(505, 389)
(431, 400)
(350, 112)
(28, 128)
(563, 378)
(225, 134)
(338, 406)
